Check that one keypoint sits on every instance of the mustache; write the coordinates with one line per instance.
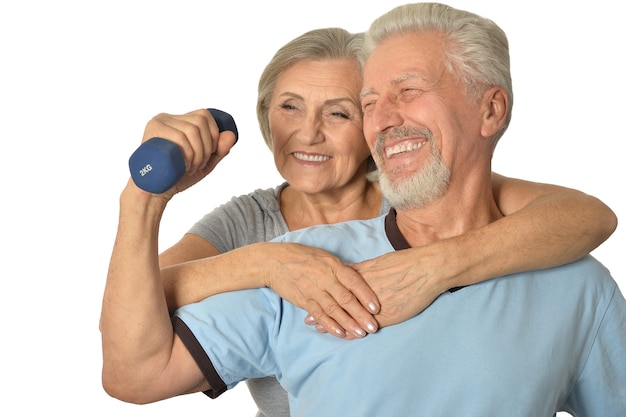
(401, 132)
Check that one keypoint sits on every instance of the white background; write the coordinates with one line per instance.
(79, 81)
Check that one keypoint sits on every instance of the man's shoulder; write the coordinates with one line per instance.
(586, 277)
(351, 241)
(353, 228)
(586, 266)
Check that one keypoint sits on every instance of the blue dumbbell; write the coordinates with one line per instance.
(158, 164)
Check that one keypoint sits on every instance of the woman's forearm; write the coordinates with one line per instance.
(552, 230)
(311, 278)
(554, 227)
(191, 281)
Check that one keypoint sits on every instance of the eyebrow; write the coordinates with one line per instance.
(395, 81)
(330, 101)
(366, 92)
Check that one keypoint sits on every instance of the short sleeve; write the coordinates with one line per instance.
(232, 344)
(600, 389)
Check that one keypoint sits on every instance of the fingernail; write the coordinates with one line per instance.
(309, 320)
(360, 332)
(371, 327)
(340, 333)
(373, 307)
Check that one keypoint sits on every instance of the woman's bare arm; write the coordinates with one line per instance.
(544, 226)
(308, 277)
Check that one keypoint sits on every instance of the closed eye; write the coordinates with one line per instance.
(367, 105)
(342, 115)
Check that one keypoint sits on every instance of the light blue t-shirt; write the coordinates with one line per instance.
(528, 344)
(246, 219)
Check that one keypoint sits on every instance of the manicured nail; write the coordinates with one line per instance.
(371, 327)
(360, 332)
(373, 307)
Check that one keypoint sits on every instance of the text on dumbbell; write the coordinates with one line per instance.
(143, 171)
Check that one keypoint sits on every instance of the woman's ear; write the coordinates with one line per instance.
(495, 107)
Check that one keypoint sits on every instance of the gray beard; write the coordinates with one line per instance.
(422, 188)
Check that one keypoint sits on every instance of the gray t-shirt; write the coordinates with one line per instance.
(247, 219)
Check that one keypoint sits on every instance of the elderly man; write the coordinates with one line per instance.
(436, 99)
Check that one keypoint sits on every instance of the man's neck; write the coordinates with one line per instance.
(447, 217)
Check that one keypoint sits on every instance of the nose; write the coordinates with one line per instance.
(310, 131)
(385, 115)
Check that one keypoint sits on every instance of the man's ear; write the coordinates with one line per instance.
(495, 104)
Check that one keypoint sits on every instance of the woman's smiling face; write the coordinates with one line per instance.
(316, 125)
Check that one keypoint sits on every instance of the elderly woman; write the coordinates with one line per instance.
(310, 117)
